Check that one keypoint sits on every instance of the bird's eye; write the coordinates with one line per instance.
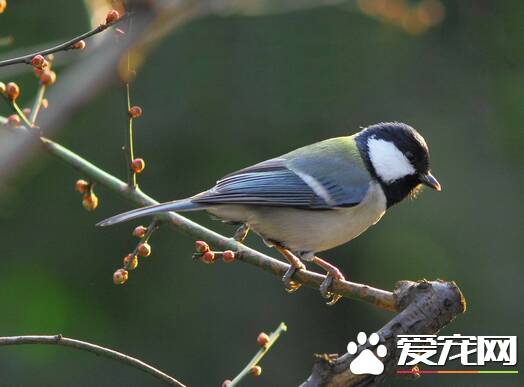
(410, 155)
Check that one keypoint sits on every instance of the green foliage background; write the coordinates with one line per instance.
(226, 92)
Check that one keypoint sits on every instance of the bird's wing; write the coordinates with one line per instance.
(325, 175)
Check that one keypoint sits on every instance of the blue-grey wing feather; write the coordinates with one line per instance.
(277, 182)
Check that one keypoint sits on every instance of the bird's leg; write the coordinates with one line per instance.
(241, 233)
(295, 264)
(332, 273)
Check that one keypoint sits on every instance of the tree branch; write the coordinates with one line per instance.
(380, 298)
(96, 349)
(60, 47)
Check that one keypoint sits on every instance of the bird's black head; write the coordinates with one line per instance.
(398, 157)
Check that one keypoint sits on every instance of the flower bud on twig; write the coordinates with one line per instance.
(48, 77)
(228, 256)
(39, 62)
(135, 111)
(81, 186)
(120, 276)
(262, 339)
(90, 202)
(208, 257)
(80, 45)
(201, 247)
(144, 249)
(139, 231)
(138, 165)
(131, 261)
(256, 370)
(12, 91)
(112, 16)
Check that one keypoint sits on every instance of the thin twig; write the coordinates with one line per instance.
(61, 47)
(37, 104)
(378, 297)
(130, 152)
(273, 337)
(93, 348)
(129, 149)
(19, 111)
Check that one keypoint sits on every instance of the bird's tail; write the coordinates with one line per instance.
(176, 205)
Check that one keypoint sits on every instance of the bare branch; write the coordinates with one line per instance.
(93, 348)
(60, 47)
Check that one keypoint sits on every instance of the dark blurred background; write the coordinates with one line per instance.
(227, 91)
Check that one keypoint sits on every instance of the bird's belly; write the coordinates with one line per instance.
(308, 230)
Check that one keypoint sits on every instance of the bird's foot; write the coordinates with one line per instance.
(326, 285)
(290, 285)
(241, 233)
(295, 264)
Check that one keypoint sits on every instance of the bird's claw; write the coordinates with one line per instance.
(241, 233)
(326, 285)
(290, 285)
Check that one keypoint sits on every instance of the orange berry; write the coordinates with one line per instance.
(120, 276)
(139, 231)
(228, 256)
(48, 77)
(112, 16)
(2, 85)
(131, 261)
(262, 339)
(13, 121)
(80, 45)
(135, 111)
(208, 257)
(201, 247)
(81, 186)
(38, 62)
(144, 249)
(12, 91)
(138, 165)
(256, 370)
(45, 103)
(90, 202)
(26, 111)
(3, 5)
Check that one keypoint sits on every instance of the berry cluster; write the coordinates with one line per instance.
(143, 249)
(207, 256)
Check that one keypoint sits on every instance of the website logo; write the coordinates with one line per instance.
(432, 351)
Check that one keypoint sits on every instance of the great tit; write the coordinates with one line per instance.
(318, 196)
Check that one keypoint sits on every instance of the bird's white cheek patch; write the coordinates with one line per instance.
(389, 162)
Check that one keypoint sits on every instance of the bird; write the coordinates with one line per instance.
(316, 197)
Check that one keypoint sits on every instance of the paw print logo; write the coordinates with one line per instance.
(367, 362)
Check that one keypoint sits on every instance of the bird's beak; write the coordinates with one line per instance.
(429, 180)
